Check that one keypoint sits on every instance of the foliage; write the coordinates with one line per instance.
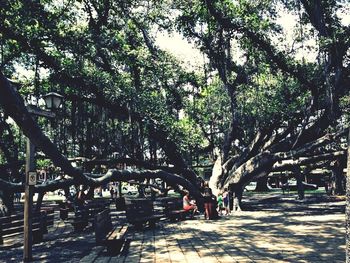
(98, 50)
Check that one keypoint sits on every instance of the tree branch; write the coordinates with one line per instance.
(111, 175)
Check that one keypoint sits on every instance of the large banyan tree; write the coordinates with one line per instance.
(263, 99)
(285, 91)
(115, 81)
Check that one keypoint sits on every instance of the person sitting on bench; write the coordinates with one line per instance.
(188, 204)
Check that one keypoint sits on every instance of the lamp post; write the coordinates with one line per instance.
(52, 101)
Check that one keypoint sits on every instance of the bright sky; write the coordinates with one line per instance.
(180, 48)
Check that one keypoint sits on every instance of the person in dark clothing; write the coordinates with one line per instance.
(210, 205)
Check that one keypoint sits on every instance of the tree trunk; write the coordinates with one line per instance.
(90, 193)
(337, 179)
(215, 176)
(39, 201)
(339, 184)
(6, 203)
(299, 176)
(9, 149)
(332, 184)
(6, 199)
(237, 194)
(261, 185)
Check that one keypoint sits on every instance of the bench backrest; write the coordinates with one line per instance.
(120, 203)
(89, 210)
(95, 208)
(81, 213)
(14, 224)
(50, 215)
(173, 204)
(138, 208)
(103, 224)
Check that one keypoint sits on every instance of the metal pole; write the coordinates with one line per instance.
(28, 203)
(29, 186)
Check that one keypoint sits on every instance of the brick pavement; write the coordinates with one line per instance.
(286, 231)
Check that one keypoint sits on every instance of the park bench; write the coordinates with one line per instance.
(105, 234)
(48, 218)
(120, 204)
(140, 211)
(64, 212)
(13, 225)
(65, 208)
(96, 206)
(173, 209)
(80, 220)
(84, 214)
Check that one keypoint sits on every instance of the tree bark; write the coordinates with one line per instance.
(6, 199)
(264, 162)
(299, 176)
(261, 185)
(39, 201)
(237, 195)
(337, 178)
(112, 175)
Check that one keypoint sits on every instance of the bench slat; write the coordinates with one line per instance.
(117, 233)
(105, 234)
(140, 211)
(17, 229)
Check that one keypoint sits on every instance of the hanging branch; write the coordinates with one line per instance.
(264, 45)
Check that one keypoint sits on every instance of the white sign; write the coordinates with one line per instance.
(32, 178)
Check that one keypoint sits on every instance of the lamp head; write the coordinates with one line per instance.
(53, 100)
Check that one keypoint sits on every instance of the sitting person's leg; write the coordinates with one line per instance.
(188, 207)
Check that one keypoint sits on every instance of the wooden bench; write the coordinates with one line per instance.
(14, 225)
(65, 208)
(95, 207)
(49, 218)
(107, 235)
(120, 204)
(85, 214)
(80, 220)
(140, 211)
(173, 209)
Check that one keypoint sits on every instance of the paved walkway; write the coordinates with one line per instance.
(284, 231)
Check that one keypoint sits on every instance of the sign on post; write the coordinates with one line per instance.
(31, 178)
